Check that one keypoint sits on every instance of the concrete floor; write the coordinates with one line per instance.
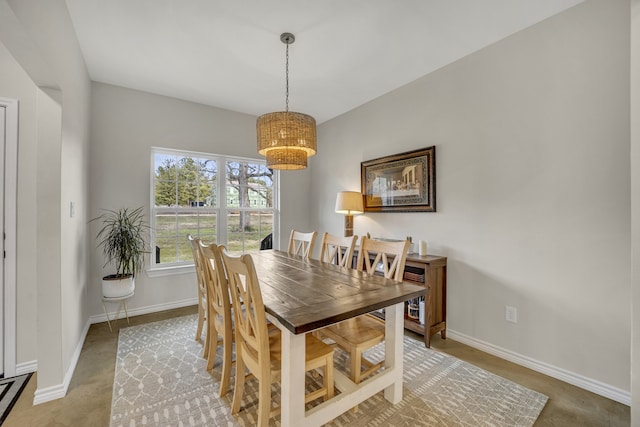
(88, 400)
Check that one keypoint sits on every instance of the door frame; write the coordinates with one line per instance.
(10, 229)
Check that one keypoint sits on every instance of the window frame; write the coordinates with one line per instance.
(221, 210)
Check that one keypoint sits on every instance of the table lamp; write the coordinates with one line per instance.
(349, 203)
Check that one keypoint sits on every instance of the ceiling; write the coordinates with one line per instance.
(228, 54)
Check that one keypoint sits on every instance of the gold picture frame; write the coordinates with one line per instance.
(404, 182)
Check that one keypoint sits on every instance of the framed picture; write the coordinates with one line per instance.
(404, 182)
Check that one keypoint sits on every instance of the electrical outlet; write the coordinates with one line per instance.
(511, 314)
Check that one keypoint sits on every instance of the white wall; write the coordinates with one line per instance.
(49, 258)
(40, 37)
(533, 181)
(125, 125)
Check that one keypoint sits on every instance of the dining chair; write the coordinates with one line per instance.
(219, 306)
(358, 334)
(258, 349)
(337, 250)
(301, 244)
(202, 291)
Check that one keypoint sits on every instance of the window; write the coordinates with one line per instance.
(225, 200)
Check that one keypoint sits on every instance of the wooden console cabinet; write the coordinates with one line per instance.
(430, 271)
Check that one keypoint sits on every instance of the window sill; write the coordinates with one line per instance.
(170, 271)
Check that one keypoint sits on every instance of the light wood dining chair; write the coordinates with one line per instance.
(337, 250)
(358, 334)
(258, 349)
(219, 305)
(301, 244)
(202, 291)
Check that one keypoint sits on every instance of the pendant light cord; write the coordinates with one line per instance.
(287, 78)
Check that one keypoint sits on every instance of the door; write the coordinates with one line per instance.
(2, 148)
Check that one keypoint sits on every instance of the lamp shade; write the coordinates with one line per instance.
(349, 203)
(286, 138)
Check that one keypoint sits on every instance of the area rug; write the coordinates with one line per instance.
(10, 390)
(161, 379)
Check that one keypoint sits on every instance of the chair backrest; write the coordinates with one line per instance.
(197, 261)
(337, 250)
(252, 338)
(301, 244)
(374, 252)
(216, 281)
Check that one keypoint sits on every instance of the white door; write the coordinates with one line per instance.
(8, 238)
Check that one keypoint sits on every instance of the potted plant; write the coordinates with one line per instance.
(122, 238)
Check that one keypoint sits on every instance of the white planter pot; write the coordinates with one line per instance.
(117, 287)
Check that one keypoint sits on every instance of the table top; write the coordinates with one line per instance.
(307, 294)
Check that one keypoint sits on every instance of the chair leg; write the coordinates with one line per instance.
(264, 402)
(239, 383)
(208, 336)
(200, 320)
(213, 347)
(226, 364)
(327, 377)
(356, 365)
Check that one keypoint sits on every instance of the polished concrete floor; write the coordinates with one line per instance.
(88, 400)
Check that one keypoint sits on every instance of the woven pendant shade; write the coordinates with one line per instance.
(286, 138)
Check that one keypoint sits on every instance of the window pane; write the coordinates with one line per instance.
(187, 224)
(165, 180)
(165, 225)
(234, 242)
(185, 253)
(266, 223)
(246, 229)
(208, 224)
(249, 185)
(166, 249)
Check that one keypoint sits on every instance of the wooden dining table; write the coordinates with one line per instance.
(301, 296)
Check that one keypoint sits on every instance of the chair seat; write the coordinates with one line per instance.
(355, 336)
(357, 331)
(314, 350)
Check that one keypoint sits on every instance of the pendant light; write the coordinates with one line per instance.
(286, 138)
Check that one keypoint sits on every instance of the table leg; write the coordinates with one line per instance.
(394, 348)
(292, 409)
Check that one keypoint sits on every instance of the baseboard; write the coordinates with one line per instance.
(26, 367)
(48, 394)
(572, 378)
(60, 390)
(119, 314)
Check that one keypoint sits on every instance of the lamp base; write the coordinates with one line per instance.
(348, 225)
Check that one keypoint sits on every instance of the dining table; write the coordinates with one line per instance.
(302, 295)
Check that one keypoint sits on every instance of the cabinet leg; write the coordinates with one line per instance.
(443, 334)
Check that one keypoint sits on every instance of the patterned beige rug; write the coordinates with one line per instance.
(161, 379)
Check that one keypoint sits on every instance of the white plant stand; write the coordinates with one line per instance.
(121, 301)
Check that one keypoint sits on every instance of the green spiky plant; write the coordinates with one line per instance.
(122, 238)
